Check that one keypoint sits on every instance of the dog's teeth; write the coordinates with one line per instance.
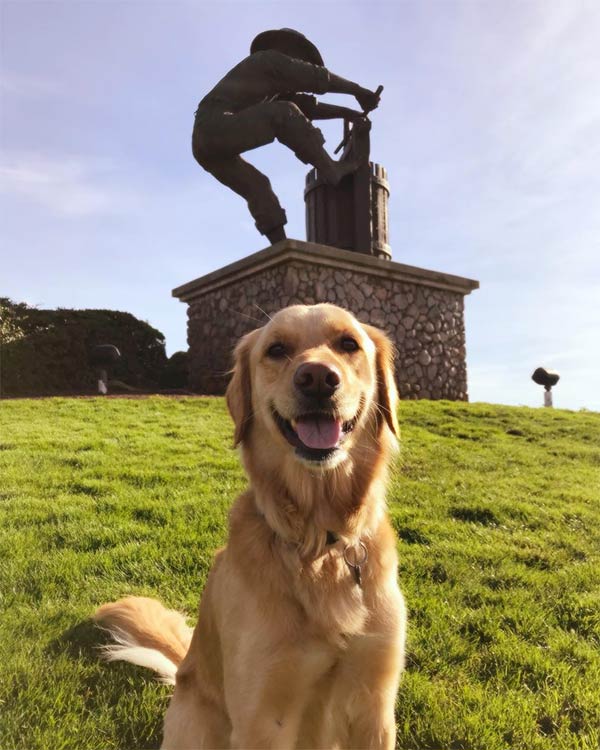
(293, 423)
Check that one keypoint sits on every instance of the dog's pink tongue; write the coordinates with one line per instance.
(319, 431)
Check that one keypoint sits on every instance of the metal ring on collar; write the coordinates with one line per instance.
(357, 563)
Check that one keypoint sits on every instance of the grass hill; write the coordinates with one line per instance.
(497, 512)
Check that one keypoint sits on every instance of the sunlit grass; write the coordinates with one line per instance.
(498, 522)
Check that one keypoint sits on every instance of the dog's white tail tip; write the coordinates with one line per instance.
(149, 658)
(128, 649)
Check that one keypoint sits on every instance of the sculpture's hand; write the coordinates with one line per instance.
(368, 100)
(361, 125)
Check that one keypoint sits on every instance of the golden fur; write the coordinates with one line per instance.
(290, 651)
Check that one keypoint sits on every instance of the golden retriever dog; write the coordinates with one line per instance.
(300, 637)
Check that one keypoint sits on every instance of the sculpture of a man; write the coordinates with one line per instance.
(263, 98)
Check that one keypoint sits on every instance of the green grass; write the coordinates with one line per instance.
(498, 522)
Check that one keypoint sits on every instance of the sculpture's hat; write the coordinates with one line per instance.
(288, 41)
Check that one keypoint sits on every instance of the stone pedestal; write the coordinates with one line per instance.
(422, 311)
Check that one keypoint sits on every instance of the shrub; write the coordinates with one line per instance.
(175, 372)
(45, 352)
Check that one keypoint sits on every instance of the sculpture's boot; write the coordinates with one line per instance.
(358, 145)
(333, 171)
(276, 235)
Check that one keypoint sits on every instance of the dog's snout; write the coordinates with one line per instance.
(316, 379)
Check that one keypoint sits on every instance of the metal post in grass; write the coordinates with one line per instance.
(102, 357)
(547, 378)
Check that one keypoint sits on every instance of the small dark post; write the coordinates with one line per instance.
(547, 378)
(102, 357)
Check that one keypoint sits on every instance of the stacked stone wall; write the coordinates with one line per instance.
(425, 323)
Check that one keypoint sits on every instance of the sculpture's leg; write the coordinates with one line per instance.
(218, 138)
(232, 134)
(294, 129)
(255, 187)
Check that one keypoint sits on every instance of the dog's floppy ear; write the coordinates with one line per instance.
(239, 390)
(387, 393)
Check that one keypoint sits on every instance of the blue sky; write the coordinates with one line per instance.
(489, 127)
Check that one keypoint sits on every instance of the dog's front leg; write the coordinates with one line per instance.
(371, 704)
(268, 701)
(371, 674)
(373, 725)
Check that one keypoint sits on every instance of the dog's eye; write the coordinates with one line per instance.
(276, 351)
(349, 344)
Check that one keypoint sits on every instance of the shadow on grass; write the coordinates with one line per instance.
(83, 641)
(134, 699)
(482, 516)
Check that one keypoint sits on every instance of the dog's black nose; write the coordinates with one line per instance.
(316, 379)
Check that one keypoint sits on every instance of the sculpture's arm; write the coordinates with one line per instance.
(306, 104)
(316, 110)
(368, 100)
(324, 111)
(288, 74)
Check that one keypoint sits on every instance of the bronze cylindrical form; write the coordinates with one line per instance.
(352, 215)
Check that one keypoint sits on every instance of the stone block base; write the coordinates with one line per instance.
(422, 311)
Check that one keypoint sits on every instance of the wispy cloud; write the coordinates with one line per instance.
(70, 186)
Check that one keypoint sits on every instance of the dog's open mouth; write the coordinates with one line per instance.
(315, 436)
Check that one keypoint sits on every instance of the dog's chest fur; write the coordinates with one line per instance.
(330, 596)
(322, 593)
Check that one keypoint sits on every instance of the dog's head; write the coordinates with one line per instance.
(311, 382)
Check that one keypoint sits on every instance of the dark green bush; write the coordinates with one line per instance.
(46, 352)
(175, 372)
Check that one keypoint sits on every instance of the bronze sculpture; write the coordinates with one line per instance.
(263, 98)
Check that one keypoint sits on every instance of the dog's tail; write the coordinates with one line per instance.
(146, 634)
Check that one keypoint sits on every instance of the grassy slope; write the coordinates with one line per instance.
(498, 518)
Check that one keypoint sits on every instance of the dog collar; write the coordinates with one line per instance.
(355, 555)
